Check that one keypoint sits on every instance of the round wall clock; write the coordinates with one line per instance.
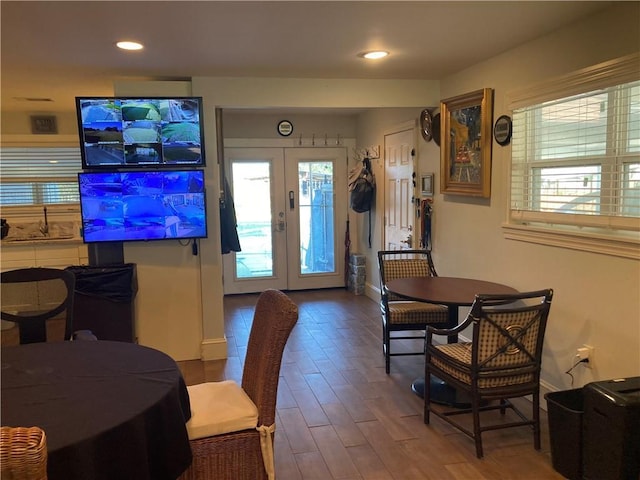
(426, 125)
(285, 128)
(502, 130)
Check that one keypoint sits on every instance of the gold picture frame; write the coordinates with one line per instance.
(465, 156)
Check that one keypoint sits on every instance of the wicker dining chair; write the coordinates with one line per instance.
(399, 314)
(23, 453)
(502, 361)
(232, 426)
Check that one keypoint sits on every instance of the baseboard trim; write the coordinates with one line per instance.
(213, 349)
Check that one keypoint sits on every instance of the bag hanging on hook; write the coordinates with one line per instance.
(362, 185)
(362, 188)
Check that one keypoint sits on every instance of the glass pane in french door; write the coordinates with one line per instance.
(316, 194)
(252, 192)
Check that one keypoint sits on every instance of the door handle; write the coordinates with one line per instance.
(292, 203)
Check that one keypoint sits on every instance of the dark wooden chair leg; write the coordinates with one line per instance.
(536, 420)
(475, 407)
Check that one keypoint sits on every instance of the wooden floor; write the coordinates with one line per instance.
(339, 416)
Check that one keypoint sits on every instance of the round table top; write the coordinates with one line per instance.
(103, 406)
(448, 291)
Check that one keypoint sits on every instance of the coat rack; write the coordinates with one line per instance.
(319, 141)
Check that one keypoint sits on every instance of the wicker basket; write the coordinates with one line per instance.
(23, 453)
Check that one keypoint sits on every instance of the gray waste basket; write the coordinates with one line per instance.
(565, 410)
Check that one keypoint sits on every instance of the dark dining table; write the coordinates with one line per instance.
(454, 293)
(110, 410)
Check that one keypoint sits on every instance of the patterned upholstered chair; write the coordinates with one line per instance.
(502, 361)
(23, 453)
(232, 426)
(399, 314)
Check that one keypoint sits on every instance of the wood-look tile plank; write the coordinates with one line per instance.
(368, 463)
(321, 389)
(310, 408)
(392, 454)
(312, 466)
(354, 403)
(296, 430)
(334, 452)
(349, 433)
(285, 461)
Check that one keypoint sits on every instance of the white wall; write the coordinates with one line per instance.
(597, 297)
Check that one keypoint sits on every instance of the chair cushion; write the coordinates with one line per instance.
(462, 353)
(219, 407)
(417, 312)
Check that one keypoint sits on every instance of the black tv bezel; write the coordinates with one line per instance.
(137, 240)
(143, 166)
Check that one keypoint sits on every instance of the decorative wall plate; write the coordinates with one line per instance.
(426, 125)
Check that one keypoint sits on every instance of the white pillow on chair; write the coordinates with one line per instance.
(219, 407)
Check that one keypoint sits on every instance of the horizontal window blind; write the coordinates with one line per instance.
(579, 157)
(39, 175)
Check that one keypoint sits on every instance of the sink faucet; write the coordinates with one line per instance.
(44, 228)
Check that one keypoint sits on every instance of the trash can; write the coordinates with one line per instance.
(104, 301)
(612, 429)
(565, 411)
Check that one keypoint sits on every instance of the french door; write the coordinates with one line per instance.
(291, 210)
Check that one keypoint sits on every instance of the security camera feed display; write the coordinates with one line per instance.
(139, 132)
(142, 205)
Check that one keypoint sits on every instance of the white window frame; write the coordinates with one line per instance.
(617, 236)
(27, 142)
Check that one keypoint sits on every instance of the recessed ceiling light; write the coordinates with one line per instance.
(129, 45)
(374, 55)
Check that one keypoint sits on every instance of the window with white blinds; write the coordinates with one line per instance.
(576, 160)
(39, 175)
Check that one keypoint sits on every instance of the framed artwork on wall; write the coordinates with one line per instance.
(465, 155)
(44, 124)
(426, 185)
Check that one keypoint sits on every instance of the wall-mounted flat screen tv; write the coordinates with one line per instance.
(142, 205)
(128, 132)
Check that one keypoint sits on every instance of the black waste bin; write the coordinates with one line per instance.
(612, 430)
(104, 301)
(565, 410)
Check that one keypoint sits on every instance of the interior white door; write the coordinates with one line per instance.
(256, 177)
(399, 151)
(291, 208)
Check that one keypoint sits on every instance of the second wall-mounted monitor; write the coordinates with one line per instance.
(140, 132)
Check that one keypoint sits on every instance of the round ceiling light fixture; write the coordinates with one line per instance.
(374, 54)
(127, 45)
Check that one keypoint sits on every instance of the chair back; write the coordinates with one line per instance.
(274, 318)
(23, 453)
(38, 300)
(508, 334)
(394, 264)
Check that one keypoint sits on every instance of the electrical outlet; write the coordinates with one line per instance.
(585, 353)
